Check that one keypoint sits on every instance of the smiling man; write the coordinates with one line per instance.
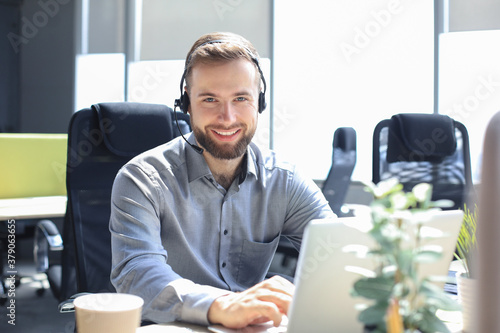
(225, 96)
(195, 223)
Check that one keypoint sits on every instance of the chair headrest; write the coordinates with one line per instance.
(345, 138)
(129, 129)
(420, 137)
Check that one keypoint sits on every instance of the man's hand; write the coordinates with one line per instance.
(267, 300)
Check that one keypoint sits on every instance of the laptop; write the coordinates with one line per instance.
(327, 269)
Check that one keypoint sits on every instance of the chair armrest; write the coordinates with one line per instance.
(67, 305)
(47, 238)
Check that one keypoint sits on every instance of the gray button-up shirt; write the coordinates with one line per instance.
(179, 239)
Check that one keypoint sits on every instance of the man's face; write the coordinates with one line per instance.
(224, 106)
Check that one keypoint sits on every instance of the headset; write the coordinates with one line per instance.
(183, 101)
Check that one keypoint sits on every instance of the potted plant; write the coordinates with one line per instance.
(467, 242)
(401, 301)
(466, 283)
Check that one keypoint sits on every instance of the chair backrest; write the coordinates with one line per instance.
(101, 139)
(337, 182)
(429, 148)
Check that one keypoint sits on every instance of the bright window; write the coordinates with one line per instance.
(469, 89)
(347, 63)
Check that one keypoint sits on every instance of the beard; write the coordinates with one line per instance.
(223, 151)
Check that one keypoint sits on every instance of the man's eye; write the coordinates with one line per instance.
(241, 99)
(209, 99)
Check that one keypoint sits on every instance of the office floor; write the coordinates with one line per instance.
(33, 313)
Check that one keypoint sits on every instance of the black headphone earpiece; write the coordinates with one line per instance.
(262, 102)
(183, 102)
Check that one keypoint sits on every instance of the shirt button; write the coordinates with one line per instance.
(225, 232)
(223, 264)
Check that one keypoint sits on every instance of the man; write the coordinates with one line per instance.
(195, 224)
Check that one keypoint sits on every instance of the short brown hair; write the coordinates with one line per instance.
(219, 47)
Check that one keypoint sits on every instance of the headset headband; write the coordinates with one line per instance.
(183, 101)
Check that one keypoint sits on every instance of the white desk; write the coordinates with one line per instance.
(32, 208)
(452, 319)
(172, 328)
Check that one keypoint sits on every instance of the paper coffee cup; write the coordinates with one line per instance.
(108, 313)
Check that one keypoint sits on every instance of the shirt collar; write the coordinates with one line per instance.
(251, 161)
(197, 167)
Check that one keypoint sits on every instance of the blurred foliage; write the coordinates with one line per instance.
(401, 301)
(467, 243)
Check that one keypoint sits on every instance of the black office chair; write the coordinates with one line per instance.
(334, 188)
(429, 148)
(101, 139)
(338, 180)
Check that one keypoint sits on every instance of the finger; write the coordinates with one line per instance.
(242, 309)
(259, 320)
(268, 312)
(278, 284)
(282, 301)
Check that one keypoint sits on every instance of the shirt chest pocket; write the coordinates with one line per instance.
(254, 261)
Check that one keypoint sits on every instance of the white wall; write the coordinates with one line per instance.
(474, 15)
(171, 27)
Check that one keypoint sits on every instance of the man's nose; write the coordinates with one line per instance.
(228, 112)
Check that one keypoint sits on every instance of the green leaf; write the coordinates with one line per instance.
(443, 203)
(399, 201)
(377, 288)
(467, 242)
(374, 314)
(422, 192)
(437, 298)
(405, 259)
(384, 188)
(430, 323)
(427, 256)
(385, 240)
